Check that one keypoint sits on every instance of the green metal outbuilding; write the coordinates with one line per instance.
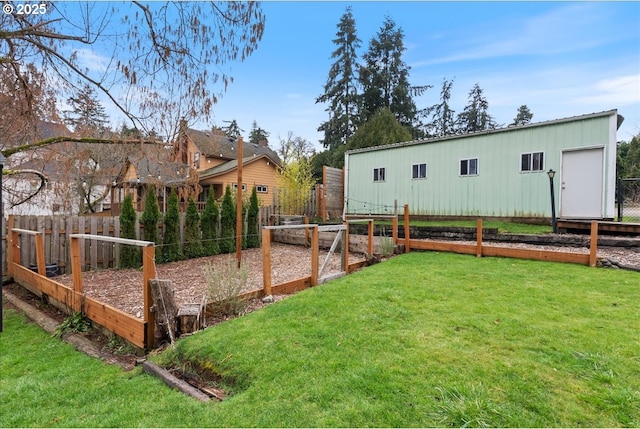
(495, 173)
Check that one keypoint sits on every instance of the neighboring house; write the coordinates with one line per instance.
(496, 173)
(58, 196)
(152, 164)
(213, 156)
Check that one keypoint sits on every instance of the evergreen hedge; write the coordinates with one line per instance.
(171, 249)
(192, 241)
(150, 216)
(209, 225)
(253, 237)
(228, 223)
(129, 255)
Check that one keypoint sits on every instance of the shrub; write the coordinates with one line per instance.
(225, 283)
(171, 250)
(150, 216)
(253, 237)
(209, 225)
(228, 223)
(192, 242)
(129, 255)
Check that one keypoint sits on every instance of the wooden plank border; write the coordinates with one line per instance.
(506, 252)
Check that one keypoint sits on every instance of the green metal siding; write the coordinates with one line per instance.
(500, 189)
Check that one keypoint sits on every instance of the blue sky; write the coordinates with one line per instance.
(559, 58)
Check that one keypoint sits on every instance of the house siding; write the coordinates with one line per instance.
(500, 189)
(260, 172)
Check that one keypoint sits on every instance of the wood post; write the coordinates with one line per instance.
(41, 263)
(479, 238)
(266, 261)
(323, 193)
(346, 248)
(593, 254)
(315, 244)
(76, 273)
(148, 274)
(239, 204)
(407, 246)
(370, 238)
(10, 243)
(394, 229)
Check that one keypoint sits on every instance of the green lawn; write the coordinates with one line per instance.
(503, 226)
(425, 339)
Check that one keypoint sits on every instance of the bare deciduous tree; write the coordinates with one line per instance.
(163, 60)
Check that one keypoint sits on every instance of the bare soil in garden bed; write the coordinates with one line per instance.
(122, 288)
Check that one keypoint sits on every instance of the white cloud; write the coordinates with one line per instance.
(92, 61)
(566, 29)
(618, 91)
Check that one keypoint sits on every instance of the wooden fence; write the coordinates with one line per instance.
(57, 231)
(138, 332)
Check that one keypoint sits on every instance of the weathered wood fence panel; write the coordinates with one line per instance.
(94, 254)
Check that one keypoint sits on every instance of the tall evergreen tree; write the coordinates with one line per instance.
(209, 225)
(382, 128)
(150, 216)
(442, 121)
(87, 116)
(340, 91)
(171, 248)
(129, 255)
(385, 77)
(192, 241)
(228, 223)
(523, 116)
(233, 130)
(475, 116)
(256, 134)
(253, 237)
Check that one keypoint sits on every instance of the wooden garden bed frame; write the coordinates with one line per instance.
(137, 332)
(479, 249)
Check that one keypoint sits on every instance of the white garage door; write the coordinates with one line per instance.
(582, 183)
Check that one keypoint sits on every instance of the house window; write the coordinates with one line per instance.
(533, 161)
(469, 167)
(244, 186)
(262, 189)
(379, 174)
(196, 160)
(419, 171)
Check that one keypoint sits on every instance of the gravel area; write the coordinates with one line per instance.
(122, 289)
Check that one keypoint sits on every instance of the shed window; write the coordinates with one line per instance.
(419, 171)
(379, 174)
(244, 186)
(469, 167)
(196, 160)
(262, 189)
(533, 161)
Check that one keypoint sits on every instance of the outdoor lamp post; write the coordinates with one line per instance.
(1, 219)
(551, 175)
